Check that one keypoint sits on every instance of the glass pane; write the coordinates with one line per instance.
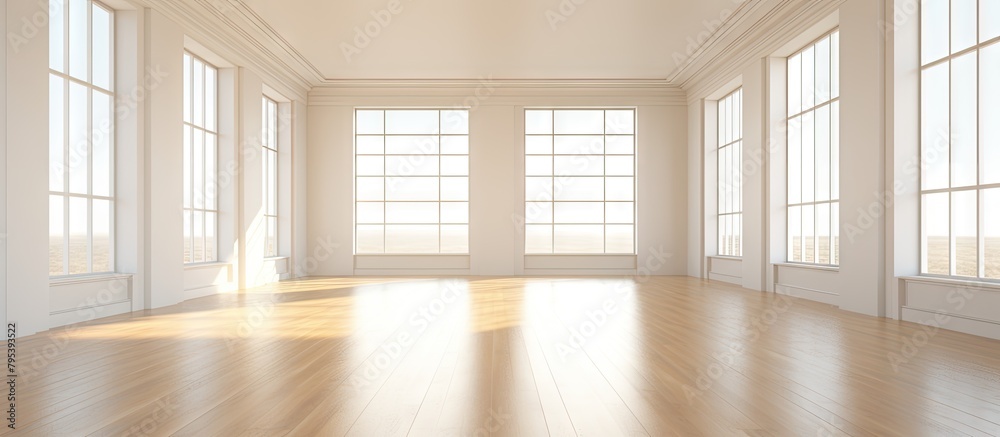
(835, 65)
(57, 134)
(370, 166)
(79, 138)
(991, 228)
(724, 184)
(835, 150)
(935, 126)
(188, 235)
(371, 239)
(211, 105)
(411, 122)
(198, 94)
(455, 212)
(620, 189)
(271, 245)
(538, 239)
(579, 145)
(211, 171)
(455, 122)
(539, 189)
(370, 212)
(823, 233)
(619, 165)
(538, 166)
(795, 160)
(989, 90)
(989, 19)
(579, 239)
(78, 238)
(965, 232)
(808, 78)
(795, 234)
(370, 145)
(211, 224)
(620, 122)
(454, 165)
(370, 122)
(579, 212)
(538, 212)
(57, 36)
(538, 145)
(823, 170)
(187, 88)
(963, 24)
(620, 239)
(101, 143)
(620, 145)
(415, 188)
(411, 145)
(579, 121)
(964, 124)
(102, 47)
(188, 165)
(579, 165)
(808, 157)
(411, 239)
(102, 259)
(198, 168)
(79, 15)
(580, 189)
(620, 212)
(795, 84)
(537, 122)
(738, 235)
(411, 212)
(56, 230)
(198, 237)
(808, 234)
(455, 189)
(371, 189)
(934, 30)
(835, 230)
(272, 183)
(455, 239)
(412, 165)
(723, 234)
(936, 229)
(455, 145)
(823, 70)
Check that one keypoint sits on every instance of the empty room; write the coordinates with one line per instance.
(511, 218)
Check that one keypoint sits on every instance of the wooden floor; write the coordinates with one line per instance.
(505, 357)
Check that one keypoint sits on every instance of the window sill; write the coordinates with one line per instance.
(413, 262)
(275, 258)
(581, 261)
(942, 280)
(831, 269)
(726, 257)
(206, 265)
(87, 278)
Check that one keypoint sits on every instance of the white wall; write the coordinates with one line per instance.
(496, 178)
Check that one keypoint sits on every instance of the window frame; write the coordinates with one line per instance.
(269, 149)
(209, 180)
(553, 223)
(735, 96)
(91, 87)
(833, 201)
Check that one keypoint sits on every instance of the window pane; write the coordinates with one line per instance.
(823, 70)
(808, 234)
(411, 212)
(620, 145)
(455, 239)
(991, 237)
(411, 145)
(455, 189)
(198, 168)
(370, 122)
(835, 230)
(823, 233)
(57, 133)
(620, 212)
(934, 30)
(620, 239)
(370, 145)
(412, 165)
(963, 24)
(211, 100)
(198, 237)
(454, 165)
(579, 145)
(795, 160)
(808, 157)
(370, 239)
(580, 188)
(415, 188)
(272, 183)
(102, 47)
(989, 20)
(370, 189)
(809, 78)
(619, 165)
(198, 101)
(370, 212)
(271, 243)
(989, 89)
(78, 236)
(455, 145)
(188, 88)
(455, 212)
(579, 122)
(795, 234)
(579, 239)
(935, 126)
(620, 122)
(964, 124)
(538, 145)
(795, 84)
(188, 146)
(936, 230)
(211, 171)
(620, 189)
(537, 122)
(370, 166)
(823, 164)
(538, 212)
(538, 166)
(188, 235)
(964, 231)
(79, 138)
(56, 233)
(411, 122)
(835, 150)
(579, 212)
(101, 143)
(211, 225)
(835, 65)
(538, 239)
(411, 239)
(57, 36)
(579, 165)
(536, 189)
(78, 37)
(102, 237)
(455, 122)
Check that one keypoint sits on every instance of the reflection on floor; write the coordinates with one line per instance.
(505, 356)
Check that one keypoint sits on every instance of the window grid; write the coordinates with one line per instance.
(729, 159)
(958, 197)
(443, 177)
(68, 140)
(270, 176)
(201, 211)
(813, 187)
(554, 175)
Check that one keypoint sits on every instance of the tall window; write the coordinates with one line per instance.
(730, 173)
(814, 153)
(580, 181)
(960, 138)
(412, 181)
(81, 138)
(270, 176)
(201, 136)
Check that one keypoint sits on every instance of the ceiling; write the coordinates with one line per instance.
(511, 39)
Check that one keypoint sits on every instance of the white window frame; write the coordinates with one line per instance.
(794, 119)
(64, 167)
(552, 223)
(441, 176)
(210, 176)
(980, 187)
(730, 174)
(269, 145)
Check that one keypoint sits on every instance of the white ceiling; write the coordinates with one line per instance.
(504, 39)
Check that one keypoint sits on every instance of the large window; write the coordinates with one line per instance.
(270, 176)
(81, 138)
(960, 138)
(412, 181)
(730, 174)
(580, 181)
(201, 136)
(814, 153)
